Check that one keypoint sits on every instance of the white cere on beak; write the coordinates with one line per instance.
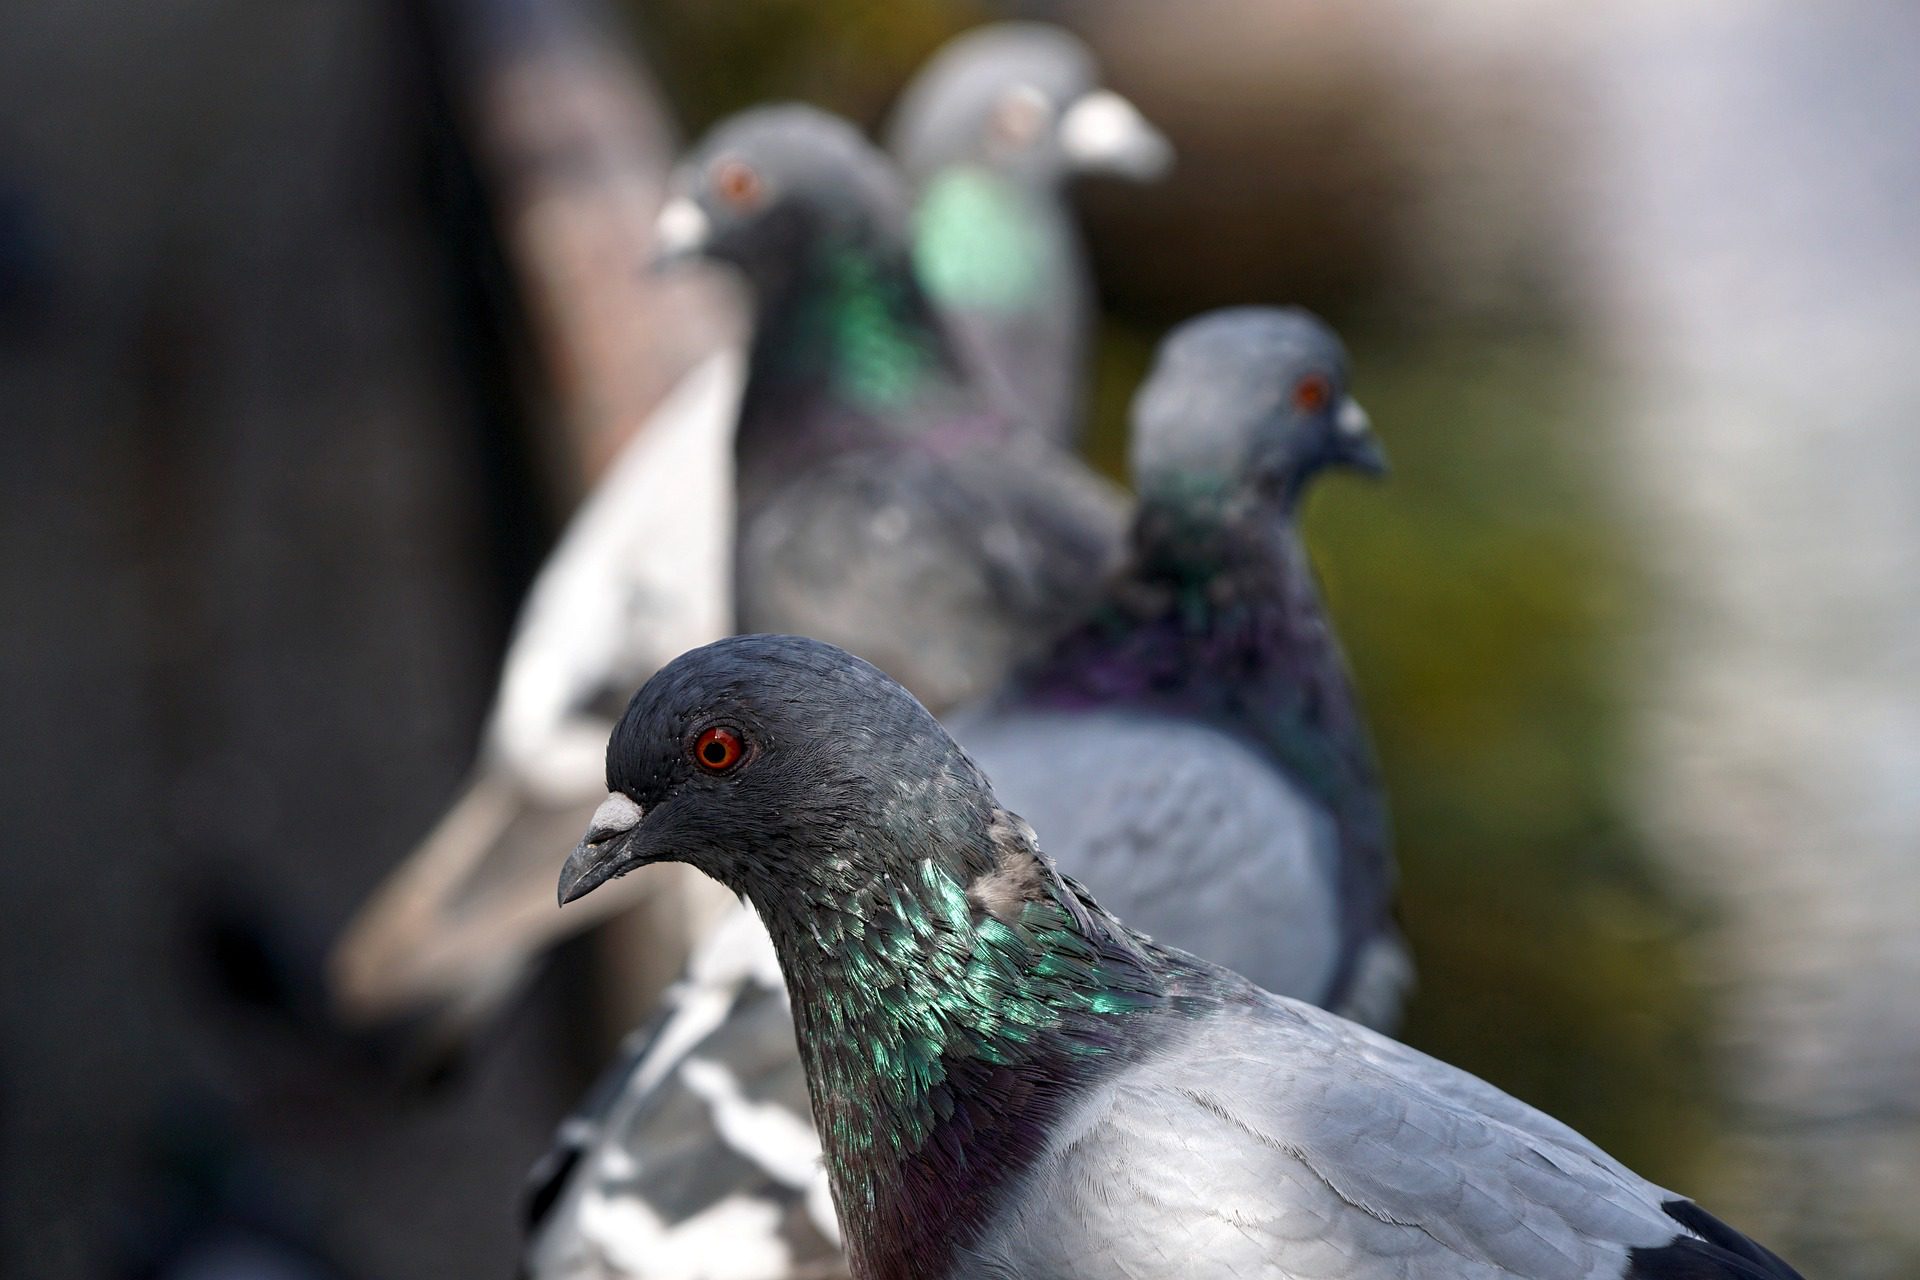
(1353, 420)
(681, 230)
(616, 816)
(1102, 131)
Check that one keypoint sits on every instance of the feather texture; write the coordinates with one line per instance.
(1010, 1082)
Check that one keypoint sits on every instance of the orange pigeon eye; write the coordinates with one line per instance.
(718, 749)
(1019, 115)
(735, 182)
(1312, 393)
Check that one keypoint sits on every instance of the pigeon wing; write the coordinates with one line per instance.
(1276, 1141)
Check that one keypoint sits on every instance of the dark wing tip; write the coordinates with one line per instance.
(1715, 1251)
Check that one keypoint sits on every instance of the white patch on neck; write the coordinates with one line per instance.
(1017, 877)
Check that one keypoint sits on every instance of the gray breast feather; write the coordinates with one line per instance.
(1182, 831)
(943, 572)
(1278, 1142)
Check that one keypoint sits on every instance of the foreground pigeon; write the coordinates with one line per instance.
(1195, 748)
(990, 133)
(1010, 1082)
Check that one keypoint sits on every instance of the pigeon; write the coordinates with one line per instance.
(1206, 691)
(990, 133)
(1009, 1081)
(1194, 747)
(886, 501)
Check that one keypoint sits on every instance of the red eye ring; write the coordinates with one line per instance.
(1019, 115)
(718, 749)
(1312, 393)
(737, 183)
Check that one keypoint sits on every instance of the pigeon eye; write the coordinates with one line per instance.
(718, 749)
(1312, 393)
(735, 182)
(1019, 115)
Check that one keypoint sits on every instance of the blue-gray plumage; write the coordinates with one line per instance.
(873, 468)
(1010, 1082)
(1194, 747)
(991, 133)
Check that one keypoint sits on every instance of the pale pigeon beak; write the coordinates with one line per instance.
(601, 855)
(1104, 133)
(680, 233)
(1358, 447)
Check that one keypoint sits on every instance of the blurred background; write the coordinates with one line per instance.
(293, 397)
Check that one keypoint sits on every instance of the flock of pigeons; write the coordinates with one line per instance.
(926, 1051)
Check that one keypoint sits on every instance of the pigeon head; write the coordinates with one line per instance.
(787, 769)
(1250, 400)
(1024, 98)
(768, 188)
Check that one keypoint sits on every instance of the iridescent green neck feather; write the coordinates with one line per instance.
(856, 325)
(949, 1015)
(978, 242)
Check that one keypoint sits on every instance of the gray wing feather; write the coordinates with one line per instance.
(1182, 831)
(1277, 1141)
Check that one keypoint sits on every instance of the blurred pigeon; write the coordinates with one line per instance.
(886, 503)
(1207, 692)
(1010, 1082)
(990, 133)
(868, 468)
(641, 573)
(1195, 748)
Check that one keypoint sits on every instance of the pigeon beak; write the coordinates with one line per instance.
(606, 851)
(1359, 447)
(1104, 133)
(680, 233)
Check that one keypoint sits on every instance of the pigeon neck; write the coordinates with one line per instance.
(981, 240)
(949, 1015)
(1218, 615)
(854, 323)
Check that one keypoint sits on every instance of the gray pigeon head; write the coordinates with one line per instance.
(1248, 398)
(1022, 98)
(785, 768)
(767, 188)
